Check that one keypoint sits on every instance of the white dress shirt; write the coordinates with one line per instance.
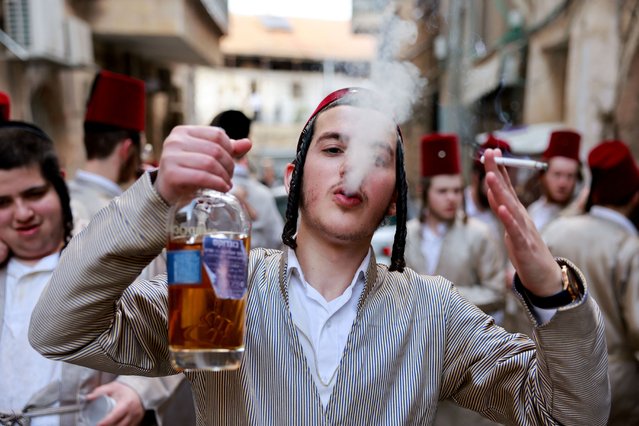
(99, 180)
(323, 327)
(432, 242)
(23, 371)
(543, 211)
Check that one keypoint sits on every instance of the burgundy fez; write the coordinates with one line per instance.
(494, 143)
(563, 143)
(615, 176)
(440, 155)
(356, 96)
(491, 143)
(117, 100)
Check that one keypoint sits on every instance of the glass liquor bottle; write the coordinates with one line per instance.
(207, 262)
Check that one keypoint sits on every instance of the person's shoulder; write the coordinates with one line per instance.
(265, 270)
(537, 204)
(413, 225)
(476, 226)
(418, 287)
(570, 225)
(471, 230)
(264, 255)
(267, 260)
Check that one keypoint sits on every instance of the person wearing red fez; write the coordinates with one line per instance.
(441, 230)
(113, 123)
(476, 194)
(332, 337)
(604, 243)
(5, 107)
(559, 181)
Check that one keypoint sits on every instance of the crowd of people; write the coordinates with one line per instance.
(490, 311)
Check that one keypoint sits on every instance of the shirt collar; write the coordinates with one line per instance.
(18, 269)
(440, 231)
(101, 181)
(294, 267)
(613, 216)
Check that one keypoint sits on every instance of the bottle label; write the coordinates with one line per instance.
(225, 262)
(183, 267)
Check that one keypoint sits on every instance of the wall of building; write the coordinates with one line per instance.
(572, 70)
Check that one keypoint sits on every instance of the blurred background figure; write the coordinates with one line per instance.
(268, 176)
(475, 194)
(267, 223)
(559, 182)
(35, 225)
(443, 241)
(113, 123)
(603, 243)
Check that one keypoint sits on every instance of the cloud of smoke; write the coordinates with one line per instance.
(400, 86)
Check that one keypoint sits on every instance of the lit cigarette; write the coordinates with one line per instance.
(518, 162)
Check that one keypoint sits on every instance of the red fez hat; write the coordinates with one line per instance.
(615, 176)
(356, 96)
(332, 97)
(563, 143)
(440, 155)
(493, 143)
(116, 100)
(5, 107)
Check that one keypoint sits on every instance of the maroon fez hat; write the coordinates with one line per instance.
(493, 143)
(356, 96)
(117, 100)
(563, 143)
(440, 155)
(5, 107)
(615, 176)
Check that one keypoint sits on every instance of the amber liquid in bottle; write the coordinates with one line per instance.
(206, 331)
(207, 267)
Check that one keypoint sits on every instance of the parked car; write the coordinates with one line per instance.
(382, 243)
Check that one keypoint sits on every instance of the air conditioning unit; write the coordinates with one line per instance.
(78, 42)
(38, 26)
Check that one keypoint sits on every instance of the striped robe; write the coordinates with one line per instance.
(414, 341)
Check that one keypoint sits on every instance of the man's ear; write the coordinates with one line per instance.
(63, 173)
(288, 174)
(392, 207)
(124, 148)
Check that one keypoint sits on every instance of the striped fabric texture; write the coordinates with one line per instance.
(415, 340)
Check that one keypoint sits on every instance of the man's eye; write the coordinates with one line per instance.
(382, 160)
(4, 202)
(333, 150)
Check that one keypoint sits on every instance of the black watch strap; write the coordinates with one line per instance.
(557, 300)
(569, 294)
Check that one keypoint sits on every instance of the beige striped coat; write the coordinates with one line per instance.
(414, 341)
